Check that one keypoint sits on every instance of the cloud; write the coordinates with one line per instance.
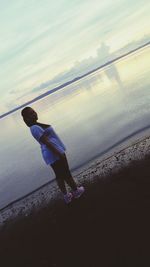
(81, 67)
(45, 44)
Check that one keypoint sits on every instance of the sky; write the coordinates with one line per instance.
(45, 42)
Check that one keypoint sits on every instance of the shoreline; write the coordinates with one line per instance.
(113, 161)
(107, 226)
(108, 152)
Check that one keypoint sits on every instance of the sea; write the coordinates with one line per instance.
(91, 116)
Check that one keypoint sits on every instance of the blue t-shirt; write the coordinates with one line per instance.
(48, 155)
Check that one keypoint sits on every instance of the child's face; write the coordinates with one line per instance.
(32, 115)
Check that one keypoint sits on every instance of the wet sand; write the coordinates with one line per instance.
(108, 226)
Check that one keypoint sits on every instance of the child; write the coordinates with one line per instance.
(53, 152)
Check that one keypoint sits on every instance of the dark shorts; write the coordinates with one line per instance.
(61, 168)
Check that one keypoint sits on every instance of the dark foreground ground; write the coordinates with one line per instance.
(108, 226)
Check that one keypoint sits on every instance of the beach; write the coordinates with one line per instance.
(108, 226)
(75, 80)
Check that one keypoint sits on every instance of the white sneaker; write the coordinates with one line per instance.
(77, 193)
(68, 198)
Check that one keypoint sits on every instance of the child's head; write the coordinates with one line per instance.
(29, 116)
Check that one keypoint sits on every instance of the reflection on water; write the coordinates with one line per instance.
(111, 71)
(90, 116)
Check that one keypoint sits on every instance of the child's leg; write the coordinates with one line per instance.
(67, 175)
(56, 166)
(77, 191)
(61, 185)
(70, 181)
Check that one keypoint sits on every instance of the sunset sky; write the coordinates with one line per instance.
(43, 39)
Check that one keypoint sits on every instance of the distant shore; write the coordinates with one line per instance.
(74, 80)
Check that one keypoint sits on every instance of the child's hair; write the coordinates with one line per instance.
(24, 114)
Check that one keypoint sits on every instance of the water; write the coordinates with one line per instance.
(90, 116)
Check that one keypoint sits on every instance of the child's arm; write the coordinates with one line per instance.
(44, 139)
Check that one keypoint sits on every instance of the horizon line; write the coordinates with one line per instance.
(74, 80)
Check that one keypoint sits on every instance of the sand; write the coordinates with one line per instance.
(108, 226)
(100, 168)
